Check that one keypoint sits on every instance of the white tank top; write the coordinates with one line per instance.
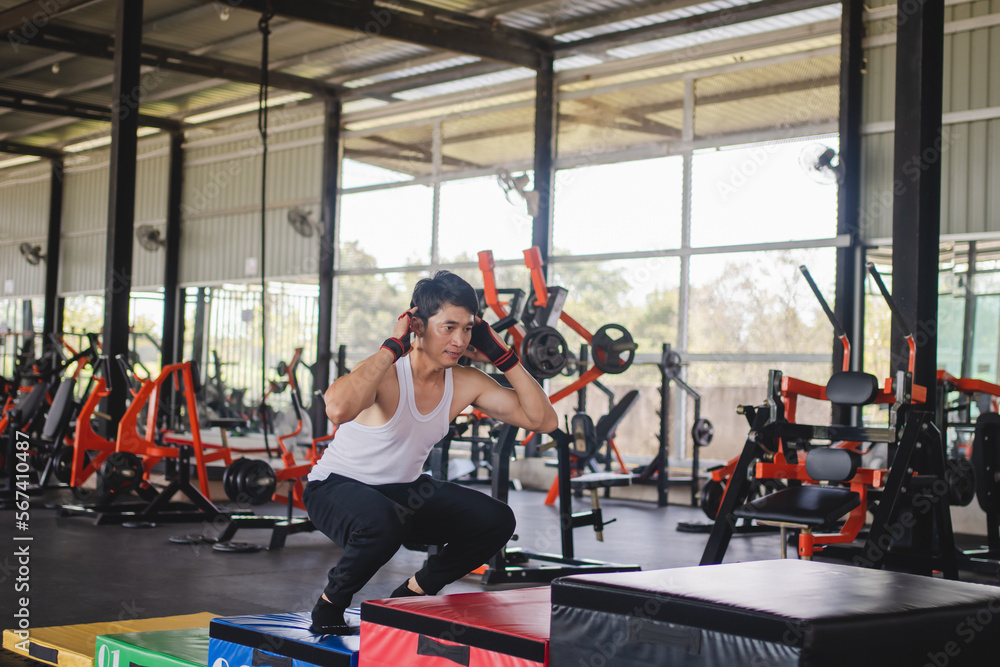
(394, 452)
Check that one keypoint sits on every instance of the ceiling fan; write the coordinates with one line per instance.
(509, 184)
(149, 238)
(32, 253)
(302, 222)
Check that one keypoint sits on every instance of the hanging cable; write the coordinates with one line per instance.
(264, 25)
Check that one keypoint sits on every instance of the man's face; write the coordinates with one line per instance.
(447, 334)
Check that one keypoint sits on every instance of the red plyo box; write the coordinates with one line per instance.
(497, 628)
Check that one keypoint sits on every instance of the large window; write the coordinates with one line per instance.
(386, 228)
(476, 215)
(763, 193)
(760, 302)
(618, 207)
(368, 308)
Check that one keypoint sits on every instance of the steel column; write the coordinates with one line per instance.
(332, 158)
(848, 281)
(53, 319)
(545, 154)
(916, 214)
(121, 205)
(969, 321)
(171, 272)
(198, 334)
(172, 347)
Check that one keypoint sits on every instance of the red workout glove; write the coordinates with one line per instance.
(400, 345)
(486, 341)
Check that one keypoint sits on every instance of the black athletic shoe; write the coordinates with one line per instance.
(329, 620)
(404, 591)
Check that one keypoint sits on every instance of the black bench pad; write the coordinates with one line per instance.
(806, 505)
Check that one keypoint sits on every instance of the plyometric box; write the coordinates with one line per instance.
(163, 648)
(74, 645)
(500, 628)
(280, 640)
(777, 613)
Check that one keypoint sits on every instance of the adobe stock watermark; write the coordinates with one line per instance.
(32, 26)
(108, 657)
(20, 564)
(757, 157)
(200, 196)
(129, 100)
(965, 633)
(638, 625)
(911, 169)
(381, 15)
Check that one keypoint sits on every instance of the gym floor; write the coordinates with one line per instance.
(82, 573)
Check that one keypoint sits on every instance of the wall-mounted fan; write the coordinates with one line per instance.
(302, 222)
(149, 238)
(32, 253)
(518, 184)
(821, 163)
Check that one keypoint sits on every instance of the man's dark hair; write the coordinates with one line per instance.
(445, 287)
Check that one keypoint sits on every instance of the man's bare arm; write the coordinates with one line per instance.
(355, 392)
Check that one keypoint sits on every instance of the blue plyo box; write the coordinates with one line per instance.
(280, 640)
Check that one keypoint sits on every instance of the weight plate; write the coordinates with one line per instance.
(64, 464)
(192, 539)
(961, 478)
(121, 472)
(613, 353)
(572, 366)
(229, 477)
(256, 482)
(237, 547)
(543, 352)
(702, 432)
(711, 498)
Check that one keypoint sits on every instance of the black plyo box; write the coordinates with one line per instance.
(772, 613)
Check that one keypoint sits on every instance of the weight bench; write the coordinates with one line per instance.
(17, 420)
(587, 441)
(810, 506)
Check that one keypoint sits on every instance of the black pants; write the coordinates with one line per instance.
(372, 522)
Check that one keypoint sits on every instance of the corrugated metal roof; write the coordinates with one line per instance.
(477, 83)
(651, 19)
(355, 59)
(727, 32)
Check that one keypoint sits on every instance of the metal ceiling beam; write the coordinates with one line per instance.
(159, 23)
(19, 23)
(421, 24)
(101, 46)
(392, 67)
(15, 148)
(55, 106)
(29, 67)
(606, 115)
(420, 153)
(718, 19)
(737, 95)
(393, 86)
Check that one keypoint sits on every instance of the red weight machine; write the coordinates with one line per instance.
(779, 448)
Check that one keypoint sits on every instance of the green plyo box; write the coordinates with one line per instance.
(163, 648)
